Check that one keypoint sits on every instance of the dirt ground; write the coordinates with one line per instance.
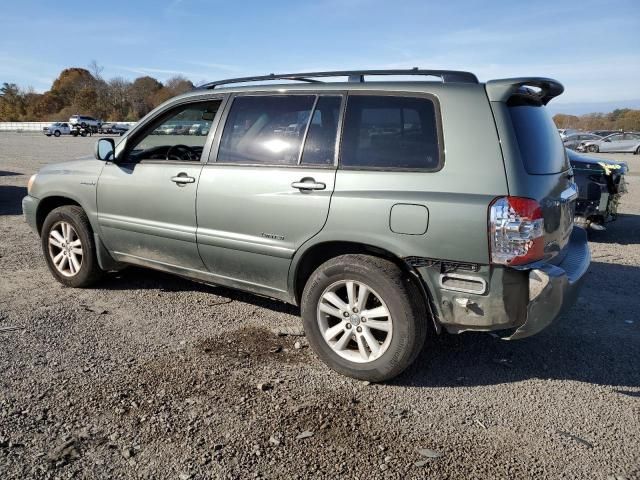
(152, 376)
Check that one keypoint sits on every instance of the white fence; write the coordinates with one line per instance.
(36, 126)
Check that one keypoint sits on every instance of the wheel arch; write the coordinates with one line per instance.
(47, 204)
(307, 261)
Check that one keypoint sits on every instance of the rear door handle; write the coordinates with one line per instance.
(309, 183)
(182, 178)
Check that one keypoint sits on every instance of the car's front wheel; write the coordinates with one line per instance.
(69, 248)
(593, 148)
(364, 317)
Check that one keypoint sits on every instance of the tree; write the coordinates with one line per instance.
(141, 95)
(11, 103)
(565, 121)
(118, 89)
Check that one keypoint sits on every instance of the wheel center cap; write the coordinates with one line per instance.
(355, 319)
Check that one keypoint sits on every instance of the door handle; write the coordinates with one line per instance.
(182, 178)
(309, 183)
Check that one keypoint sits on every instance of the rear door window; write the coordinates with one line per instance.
(540, 145)
(319, 146)
(390, 132)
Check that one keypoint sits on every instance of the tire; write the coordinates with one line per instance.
(48, 134)
(593, 148)
(391, 290)
(56, 133)
(69, 274)
(637, 152)
(83, 125)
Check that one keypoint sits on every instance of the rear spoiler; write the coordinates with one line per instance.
(544, 89)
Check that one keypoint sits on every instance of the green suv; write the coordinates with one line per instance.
(383, 209)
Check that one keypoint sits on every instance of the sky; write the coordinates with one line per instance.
(592, 47)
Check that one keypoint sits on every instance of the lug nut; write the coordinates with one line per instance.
(355, 310)
(346, 314)
(359, 329)
(348, 325)
(362, 319)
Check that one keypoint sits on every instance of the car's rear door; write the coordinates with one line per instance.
(147, 197)
(267, 186)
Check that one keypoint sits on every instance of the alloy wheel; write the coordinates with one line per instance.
(65, 249)
(354, 321)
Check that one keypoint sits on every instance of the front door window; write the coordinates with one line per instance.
(179, 135)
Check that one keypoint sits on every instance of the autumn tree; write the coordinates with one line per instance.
(141, 95)
(11, 103)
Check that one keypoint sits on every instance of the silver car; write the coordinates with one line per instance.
(576, 140)
(618, 142)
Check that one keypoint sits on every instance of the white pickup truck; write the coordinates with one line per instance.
(56, 129)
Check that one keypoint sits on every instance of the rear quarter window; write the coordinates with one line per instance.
(541, 147)
(385, 132)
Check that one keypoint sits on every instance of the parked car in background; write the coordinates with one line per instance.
(120, 129)
(574, 141)
(565, 132)
(382, 209)
(56, 129)
(199, 129)
(167, 130)
(113, 128)
(182, 130)
(604, 133)
(600, 184)
(106, 128)
(618, 142)
(85, 122)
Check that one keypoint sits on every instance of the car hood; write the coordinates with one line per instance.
(596, 165)
(86, 165)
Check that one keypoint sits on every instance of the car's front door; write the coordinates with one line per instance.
(268, 189)
(147, 197)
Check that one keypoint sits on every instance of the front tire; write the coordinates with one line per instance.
(56, 133)
(593, 148)
(69, 248)
(364, 317)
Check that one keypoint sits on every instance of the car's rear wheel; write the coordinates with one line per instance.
(637, 152)
(364, 317)
(593, 148)
(69, 248)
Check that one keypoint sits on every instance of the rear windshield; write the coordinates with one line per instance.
(540, 145)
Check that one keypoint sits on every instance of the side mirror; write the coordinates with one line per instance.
(104, 149)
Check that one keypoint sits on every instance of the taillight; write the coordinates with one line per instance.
(516, 231)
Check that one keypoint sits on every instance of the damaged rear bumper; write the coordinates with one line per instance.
(553, 288)
(514, 303)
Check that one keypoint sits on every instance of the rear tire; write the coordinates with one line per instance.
(343, 337)
(637, 152)
(69, 248)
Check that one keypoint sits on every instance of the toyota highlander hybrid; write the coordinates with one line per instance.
(387, 210)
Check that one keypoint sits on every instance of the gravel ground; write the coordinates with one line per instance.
(152, 376)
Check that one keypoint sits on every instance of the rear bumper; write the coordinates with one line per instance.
(515, 303)
(553, 288)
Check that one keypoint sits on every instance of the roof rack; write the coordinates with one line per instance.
(447, 76)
